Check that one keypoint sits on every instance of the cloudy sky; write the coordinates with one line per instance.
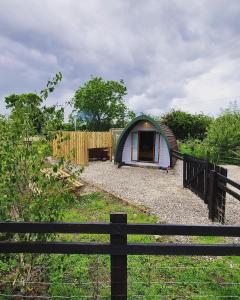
(171, 54)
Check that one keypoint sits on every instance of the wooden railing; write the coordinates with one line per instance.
(119, 248)
(209, 182)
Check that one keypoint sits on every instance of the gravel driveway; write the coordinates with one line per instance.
(161, 192)
(232, 210)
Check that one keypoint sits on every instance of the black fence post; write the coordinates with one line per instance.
(212, 195)
(206, 173)
(118, 262)
(184, 170)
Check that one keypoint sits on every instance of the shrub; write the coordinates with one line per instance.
(222, 141)
(195, 148)
(26, 193)
(187, 126)
(223, 137)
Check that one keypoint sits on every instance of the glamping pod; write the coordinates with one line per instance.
(146, 142)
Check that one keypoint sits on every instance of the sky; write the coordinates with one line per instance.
(182, 54)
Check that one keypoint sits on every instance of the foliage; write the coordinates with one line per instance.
(51, 84)
(148, 276)
(186, 125)
(152, 277)
(99, 104)
(222, 141)
(26, 193)
(193, 147)
(31, 105)
(223, 137)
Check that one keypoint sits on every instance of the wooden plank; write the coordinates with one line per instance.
(228, 180)
(75, 148)
(212, 195)
(205, 183)
(118, 262)
(112, 228)
(64, 174)
(129, 249)
(184, 171)
(229, 191)
(74, 184)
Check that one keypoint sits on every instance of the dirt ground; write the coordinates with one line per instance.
(159, 191)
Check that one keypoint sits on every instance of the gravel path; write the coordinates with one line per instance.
(161, 192)
(232, 212)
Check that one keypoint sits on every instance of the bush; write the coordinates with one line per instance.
(222, 142)
(195, 148)
(223, 137)
(26, 193)
(187, 126)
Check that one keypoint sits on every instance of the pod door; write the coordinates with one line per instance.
(146, 146)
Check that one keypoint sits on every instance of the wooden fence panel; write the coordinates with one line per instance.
(99, 140)
(74, 145)
(116, 132)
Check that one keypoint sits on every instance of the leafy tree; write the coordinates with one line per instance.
(26, 193)
(222, 141)
(28, 102)
(100, 104)
(223, 137)
(186, 125)
(31, 104)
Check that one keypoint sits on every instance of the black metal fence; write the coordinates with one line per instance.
(119, 248)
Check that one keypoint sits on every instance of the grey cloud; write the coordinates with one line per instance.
(162, 49)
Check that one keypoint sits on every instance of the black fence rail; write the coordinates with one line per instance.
(174, 155)
(177, 154)
(229, 160)
(119, 248)
(223, 186)
(209, 182)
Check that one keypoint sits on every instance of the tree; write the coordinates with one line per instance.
(223, 137)
(222, 141)
(31, 105)
(186, 125)
(26, 193)
(100, 104)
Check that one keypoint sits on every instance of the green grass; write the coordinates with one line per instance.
(150, 277)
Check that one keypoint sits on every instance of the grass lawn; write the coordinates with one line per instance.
(149, 277)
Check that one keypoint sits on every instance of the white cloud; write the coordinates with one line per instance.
(169, 53)
(213, 90)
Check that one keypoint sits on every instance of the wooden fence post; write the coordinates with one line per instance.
(184, 170)
(118, 262)
(212, 195)
(206, 181)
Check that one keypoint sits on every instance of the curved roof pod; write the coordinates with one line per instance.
(163, 130)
